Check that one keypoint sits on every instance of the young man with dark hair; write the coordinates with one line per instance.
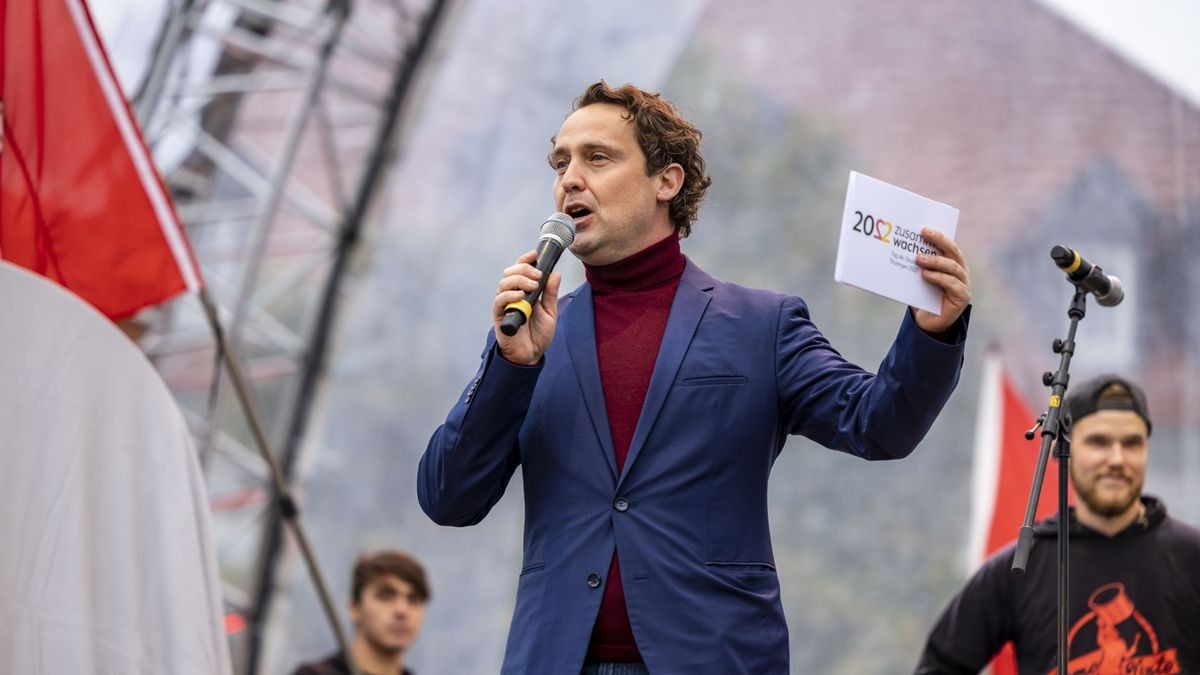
(387, 606)
(1134, 603)
(647, 425)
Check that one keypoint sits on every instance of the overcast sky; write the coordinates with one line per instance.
(1160, 36)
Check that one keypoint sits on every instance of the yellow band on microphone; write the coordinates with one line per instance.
(522, 306)
(1075, 265)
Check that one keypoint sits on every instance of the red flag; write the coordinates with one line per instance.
(80, 199)
(1003, 474)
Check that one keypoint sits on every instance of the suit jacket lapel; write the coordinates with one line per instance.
(691, 299)
(579, 329)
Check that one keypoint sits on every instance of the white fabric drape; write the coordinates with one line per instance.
(106, 556)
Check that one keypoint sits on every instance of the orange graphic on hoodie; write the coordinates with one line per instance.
(1123, 642)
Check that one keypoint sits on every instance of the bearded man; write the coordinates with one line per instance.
(1134, 604)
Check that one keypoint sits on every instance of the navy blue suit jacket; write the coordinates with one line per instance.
(738, 371)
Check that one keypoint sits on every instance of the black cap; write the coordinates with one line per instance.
(1084, 399)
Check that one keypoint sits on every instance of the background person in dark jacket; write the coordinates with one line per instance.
(1134, 603)
(387, 607)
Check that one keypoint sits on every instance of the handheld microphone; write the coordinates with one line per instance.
(1108, 289)
(557, 234)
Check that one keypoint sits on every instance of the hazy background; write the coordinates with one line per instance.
(1041, 129)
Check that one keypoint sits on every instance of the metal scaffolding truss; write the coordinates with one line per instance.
(272, 122)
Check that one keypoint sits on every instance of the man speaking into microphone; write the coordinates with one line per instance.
(646, 408)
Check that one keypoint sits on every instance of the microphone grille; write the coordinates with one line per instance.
(560, 226)
(1115, 294)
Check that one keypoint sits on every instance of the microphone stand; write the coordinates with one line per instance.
(1056, 431)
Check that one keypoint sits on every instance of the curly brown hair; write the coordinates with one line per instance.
(665, 138)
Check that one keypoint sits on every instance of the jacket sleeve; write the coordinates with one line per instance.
(473, 454)
(975, 625)
(841, 406)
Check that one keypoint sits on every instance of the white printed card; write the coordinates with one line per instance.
(881, 237)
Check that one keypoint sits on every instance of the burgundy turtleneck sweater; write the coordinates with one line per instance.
(631, 300)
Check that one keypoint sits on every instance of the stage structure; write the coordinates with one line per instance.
(274, 125)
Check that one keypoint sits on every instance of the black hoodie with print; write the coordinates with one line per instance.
(1134, 604)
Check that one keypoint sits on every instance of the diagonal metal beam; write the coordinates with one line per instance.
(248, 103)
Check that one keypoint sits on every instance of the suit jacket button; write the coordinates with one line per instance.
(594, 580)
(621, 504)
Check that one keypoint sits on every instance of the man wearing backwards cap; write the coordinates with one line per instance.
(1134, 603)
